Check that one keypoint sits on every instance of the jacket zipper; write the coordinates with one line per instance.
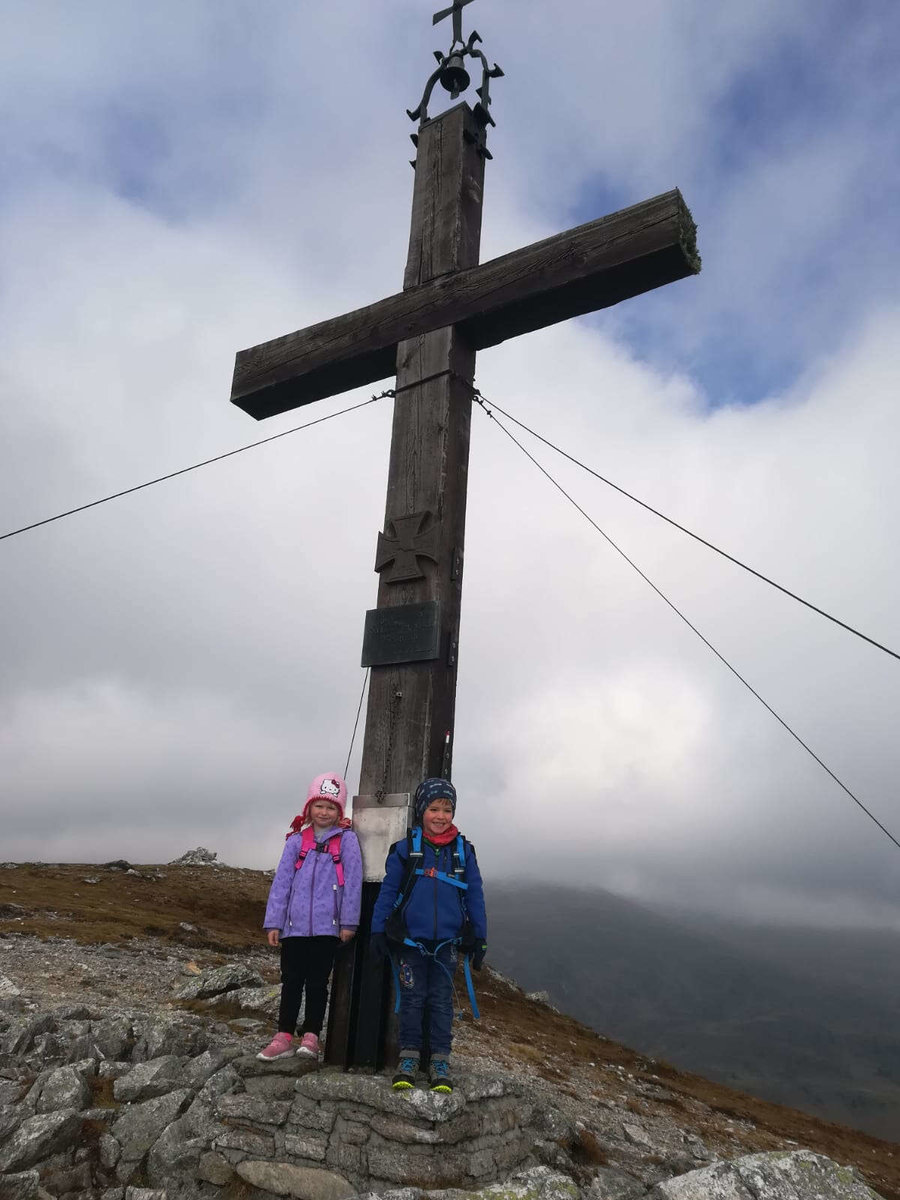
(312, 892)
(437, 867)
(290, 899)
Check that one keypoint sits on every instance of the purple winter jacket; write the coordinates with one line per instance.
(309, 902)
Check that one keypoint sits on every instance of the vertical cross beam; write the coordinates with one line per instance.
(411, 704)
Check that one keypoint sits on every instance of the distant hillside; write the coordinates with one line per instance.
(802, 1018)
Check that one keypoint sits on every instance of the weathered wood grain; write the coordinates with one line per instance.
(585, 269)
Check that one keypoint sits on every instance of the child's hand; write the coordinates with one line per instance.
(347, 934)
(272, 937)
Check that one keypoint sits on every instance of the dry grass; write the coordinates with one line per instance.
(102, 1093)
(225, 905)
(588, 1150)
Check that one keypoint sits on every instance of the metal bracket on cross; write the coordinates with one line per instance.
(378, 823)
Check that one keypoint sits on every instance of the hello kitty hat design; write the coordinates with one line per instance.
(329, 787)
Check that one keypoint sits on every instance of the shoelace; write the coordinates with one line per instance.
(408, 1066)
(440, 1067)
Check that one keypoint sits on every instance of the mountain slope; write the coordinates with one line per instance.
(781, 1016)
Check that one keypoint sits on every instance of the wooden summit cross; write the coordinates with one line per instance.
(450, 307)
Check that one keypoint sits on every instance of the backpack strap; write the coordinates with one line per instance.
(459, 857)
(308, 843)
(334, 849)
(332, 846)
(457, 875)
(414, 857)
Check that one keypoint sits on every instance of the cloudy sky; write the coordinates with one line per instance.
(180, 181)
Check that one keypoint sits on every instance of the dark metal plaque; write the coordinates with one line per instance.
(405, 633)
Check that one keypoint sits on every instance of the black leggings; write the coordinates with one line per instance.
(305, 960)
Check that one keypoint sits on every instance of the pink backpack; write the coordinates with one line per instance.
(332, 846)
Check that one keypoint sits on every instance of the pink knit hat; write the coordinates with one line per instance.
(328, 787)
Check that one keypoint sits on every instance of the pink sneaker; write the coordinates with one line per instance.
(281, 1045)
(309, 1045)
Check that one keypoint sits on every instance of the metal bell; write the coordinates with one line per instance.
(454, 77)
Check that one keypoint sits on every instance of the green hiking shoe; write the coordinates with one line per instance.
(439, 1075)
(407, 1065)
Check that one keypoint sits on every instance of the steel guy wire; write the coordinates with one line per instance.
(696, 536)
(194, 466)
(479, 398)
(356, 722)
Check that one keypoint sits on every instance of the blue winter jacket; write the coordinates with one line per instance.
(435, 910)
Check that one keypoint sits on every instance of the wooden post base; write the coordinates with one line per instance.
(361, 1025)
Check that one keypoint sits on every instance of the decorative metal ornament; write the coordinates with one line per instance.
(405, 540)
(454, 77)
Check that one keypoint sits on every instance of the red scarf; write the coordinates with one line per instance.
(442, 839)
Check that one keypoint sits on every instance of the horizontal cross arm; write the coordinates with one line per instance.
(584, 269)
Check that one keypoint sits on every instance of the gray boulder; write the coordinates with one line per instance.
(66, 1087)
(165, 1035)
(113, 1037)
(201, 857)
(38, 1137)
(21, 1034)
(198, 1070)
(285, 1179)
(216, 981)
(21, 1186)
(10, 1091)
(10, 1118)
(108, 1151)
(776, 1175)
(176, 1154)
(149, 1079)
(536, 1183)
(609, 1184)
(263, 1000)
(8, 988)
(140, 1125)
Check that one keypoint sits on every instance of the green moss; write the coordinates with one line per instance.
(687, 237)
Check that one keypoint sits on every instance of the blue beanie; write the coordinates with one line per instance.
(430, 790)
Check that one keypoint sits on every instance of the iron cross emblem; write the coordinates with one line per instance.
(406, 545)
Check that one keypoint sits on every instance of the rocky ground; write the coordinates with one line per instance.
(131, 1007)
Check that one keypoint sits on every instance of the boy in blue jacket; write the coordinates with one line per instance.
(430, 906)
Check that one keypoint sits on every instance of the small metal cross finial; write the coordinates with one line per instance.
(455, 10)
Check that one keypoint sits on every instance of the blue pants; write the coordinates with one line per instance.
(426, 980)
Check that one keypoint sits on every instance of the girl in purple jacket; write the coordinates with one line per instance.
(313, 906)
